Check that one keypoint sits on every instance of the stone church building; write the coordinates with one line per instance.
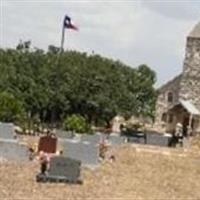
(179, 99)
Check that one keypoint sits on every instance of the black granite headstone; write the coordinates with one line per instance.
(66, 167)
(62, 169)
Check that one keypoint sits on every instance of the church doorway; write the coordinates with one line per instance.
(186, 124)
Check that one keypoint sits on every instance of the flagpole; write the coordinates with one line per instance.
(57, 73)
(66, 24)
(62, 38)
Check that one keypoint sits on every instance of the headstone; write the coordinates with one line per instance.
(94, 139)
(136, 137)
(64, 166)
(138, 140)
(157, 139)
(87, 153)
(6, 131)
(64, 134)
(47, 144)
(116, 140)
(13, 151)
(62, 169)
(10, 149)
(116, 124)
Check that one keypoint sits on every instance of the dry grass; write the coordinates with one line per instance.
(196, 142)
(134, 175)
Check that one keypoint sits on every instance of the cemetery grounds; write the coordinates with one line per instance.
(139, 172)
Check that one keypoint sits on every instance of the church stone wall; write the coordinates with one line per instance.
(186, 86)
(190, 83)
(162, 104)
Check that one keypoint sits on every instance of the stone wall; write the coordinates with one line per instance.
(190, 83)
(162, 104)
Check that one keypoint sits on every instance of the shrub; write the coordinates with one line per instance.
(77, 123)
(11, 109)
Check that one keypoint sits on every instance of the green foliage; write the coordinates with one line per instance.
(52, 85)
(10, 108)
(77, 123)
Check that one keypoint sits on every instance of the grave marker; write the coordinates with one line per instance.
(86, 153)
(64, 134)
(157, 139)
(47, 144)
(116, 140)
(13, 151)
(62, 169)
(6, 131)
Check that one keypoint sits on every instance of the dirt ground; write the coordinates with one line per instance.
(136, 174)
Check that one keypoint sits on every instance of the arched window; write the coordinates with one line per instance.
(164, 117)
(170, 97)
(171, 118)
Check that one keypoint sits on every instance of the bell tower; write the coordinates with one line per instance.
(190, 81)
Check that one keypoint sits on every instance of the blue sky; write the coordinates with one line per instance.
(135, 32)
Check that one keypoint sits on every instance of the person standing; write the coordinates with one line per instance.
(179, 134)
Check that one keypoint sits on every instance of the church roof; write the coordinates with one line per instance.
(195, 33)
(189, 107)
(175, 80)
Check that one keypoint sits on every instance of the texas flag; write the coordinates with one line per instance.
(67, 23)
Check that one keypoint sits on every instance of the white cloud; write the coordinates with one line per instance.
(184, 9)
(135, 32)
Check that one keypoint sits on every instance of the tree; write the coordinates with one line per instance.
(54, 84)
(10, 108)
